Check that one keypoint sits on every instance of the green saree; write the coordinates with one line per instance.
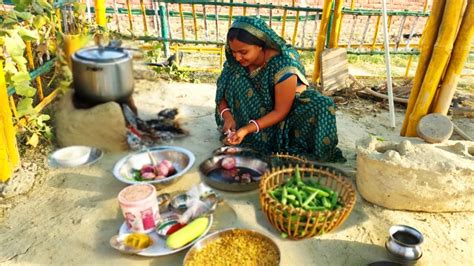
(310, 127)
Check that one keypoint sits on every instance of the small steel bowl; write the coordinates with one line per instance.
(165, 224)
(118, 243)
(404, 244)
(164, 202)
(179, 202)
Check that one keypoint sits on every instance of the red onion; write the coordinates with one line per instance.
(229, 163)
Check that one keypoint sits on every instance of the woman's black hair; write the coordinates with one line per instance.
(244, 36)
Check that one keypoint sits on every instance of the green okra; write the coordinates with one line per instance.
(321, 193)
(334, 200)
(284, 196)
(326, 203)
(310, 198)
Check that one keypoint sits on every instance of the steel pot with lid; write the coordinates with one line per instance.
(103, 74)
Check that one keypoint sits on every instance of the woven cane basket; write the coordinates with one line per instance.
(297, 223)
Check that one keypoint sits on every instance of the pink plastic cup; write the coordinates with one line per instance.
(139, 207)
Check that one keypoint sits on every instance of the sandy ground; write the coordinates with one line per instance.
(70, 215)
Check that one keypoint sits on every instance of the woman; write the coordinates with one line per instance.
(264, 100)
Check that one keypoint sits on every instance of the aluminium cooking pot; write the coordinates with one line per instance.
(103, 74)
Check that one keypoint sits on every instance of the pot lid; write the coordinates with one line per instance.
(103, 54)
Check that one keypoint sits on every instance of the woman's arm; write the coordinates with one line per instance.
(284, 96)
(226, 115)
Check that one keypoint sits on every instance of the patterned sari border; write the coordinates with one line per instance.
(256, 32)
(293, 70)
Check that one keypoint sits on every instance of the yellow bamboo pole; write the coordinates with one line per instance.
(376, 32)
(129, 14)
(229, 23)
(245, 11)
(58, 20)
(283, 23)
(181, 17)
(336, 28)
(352, 4)
(31, 65)
(193, 7)
(142, 7)
(9, 155)
(295, 31)
(426, 47)
(456, 63)
(407, 69)
(222, 54)
(441, 53)
(321, 38)
(100, 17)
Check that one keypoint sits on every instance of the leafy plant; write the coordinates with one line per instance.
(27, 24)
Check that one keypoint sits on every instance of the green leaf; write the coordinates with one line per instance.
(20, 63)
(21, 5)
(40, 120)
(38, 8)
(10, 18)
(24, 89)
(33, 140)
(14, 45)
(25, 107)
(28, 35)
(47, 132)
(21, 82)
(10, 66)
(44, 4)
(23, 15)
(40, 21)
(21, 76)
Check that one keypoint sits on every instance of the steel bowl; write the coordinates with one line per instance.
(201, 244)
(210, 172)
(404, 243)
(71, 156)
(182, 160)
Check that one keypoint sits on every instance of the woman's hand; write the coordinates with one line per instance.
(238, 137)
(229, 123)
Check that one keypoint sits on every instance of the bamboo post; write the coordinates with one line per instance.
(441, 53)
(283, 23)
(426, 47)
(142, 8)
(129, 14)
(100, 17)
(181, 17)
(193, 8)
(295, 31)
(321, 39)
(9, 155)
(230, 15)
(374, 41)
(456, 63)
(31, 65)
(336, 29)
